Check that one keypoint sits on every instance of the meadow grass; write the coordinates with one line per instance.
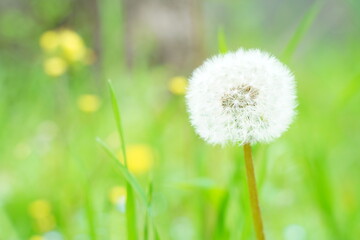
(53, 151)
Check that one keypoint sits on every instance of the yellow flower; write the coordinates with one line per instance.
(36, 237)
(88, 103)
(72, 45)
(55, 66)
(49, 41)
(40, 209)
(117, 193)
(178, 85)
(140, 158)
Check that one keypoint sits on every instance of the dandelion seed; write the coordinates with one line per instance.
(178, 85)
(88, 103)
(243, 97)
(55, 66)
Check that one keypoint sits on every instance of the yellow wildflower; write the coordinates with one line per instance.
(117, 193)
(67, 45)
(36, 237)
(88, 103)
(40, 208)
(55, 66)
(140, 158)
(178, 85)
(72, 45)
(41, 211)
(49, 41)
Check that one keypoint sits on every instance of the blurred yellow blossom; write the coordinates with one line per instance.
(72, 45)
(41, 211)
(40, 208)
(64, 47)
(116, 193)
(88, 103)
(55, 66)
(178, 85)
(36, 237)
(140, 158)
(49, 41)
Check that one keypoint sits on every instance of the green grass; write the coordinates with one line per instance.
(49, 149)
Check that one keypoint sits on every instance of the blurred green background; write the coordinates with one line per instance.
(56, 182)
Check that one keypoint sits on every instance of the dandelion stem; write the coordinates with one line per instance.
(254, 201)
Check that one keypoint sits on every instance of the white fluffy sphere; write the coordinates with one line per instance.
(247, 96)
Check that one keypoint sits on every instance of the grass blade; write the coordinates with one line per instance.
(221, 217)
(90, 213)
(147, 222)
(300, 31)
(117, 116)
(9, 229)
(222, 45)
(323, 194)
(349, 92)
(130, 213)
(125, 172)
(130, 202)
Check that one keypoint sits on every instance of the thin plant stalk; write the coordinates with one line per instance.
(254, 201)
(130, 201)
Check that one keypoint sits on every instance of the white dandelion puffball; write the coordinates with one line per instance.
(246, 96)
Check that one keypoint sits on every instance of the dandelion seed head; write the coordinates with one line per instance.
(246, 96)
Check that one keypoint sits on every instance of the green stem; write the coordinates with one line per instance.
(254, 201)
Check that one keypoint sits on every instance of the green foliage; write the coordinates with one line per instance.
(222, 45)
(301, 30)
(308, 179)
